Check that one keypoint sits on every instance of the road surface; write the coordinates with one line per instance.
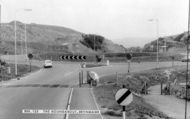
(45, 89)
(50, 89)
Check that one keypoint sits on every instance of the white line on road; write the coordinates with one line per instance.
(70, 96)
(96, 103)
(69, 103)
(68, 73)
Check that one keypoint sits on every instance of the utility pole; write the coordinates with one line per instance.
(94, 42)
(157, 36)
(16, 73)
(25, 39)
(25, 34)
(187, 71)
(165, 46)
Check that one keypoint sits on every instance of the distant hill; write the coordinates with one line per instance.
(46, 38)
(174, 43)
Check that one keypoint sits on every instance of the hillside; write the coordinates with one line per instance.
(174, 43)
(46, 38)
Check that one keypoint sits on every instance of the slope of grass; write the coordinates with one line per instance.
(47, 35)
(138, 109)
(22, 70)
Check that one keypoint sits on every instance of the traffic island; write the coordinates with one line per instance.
(139, 108)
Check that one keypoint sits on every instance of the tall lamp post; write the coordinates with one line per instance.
(25, 33)
(157, 36)
(15, 41)
(16, 72)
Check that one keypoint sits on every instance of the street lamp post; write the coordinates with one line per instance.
(25, 33)
(157, 36)
(16, 72)
(157, 33)
(15, 40)
(25, 40)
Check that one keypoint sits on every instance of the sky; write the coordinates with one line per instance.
(113, 19)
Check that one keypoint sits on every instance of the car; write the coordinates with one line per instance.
(48, 64)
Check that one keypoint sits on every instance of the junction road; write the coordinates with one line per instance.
(50, 89)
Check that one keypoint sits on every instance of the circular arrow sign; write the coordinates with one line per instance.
(124, 97)
(30, 55)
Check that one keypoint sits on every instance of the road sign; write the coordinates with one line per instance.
(30, 56)
(129, 56)
(124, 97)
(98, 58)
(73, 57)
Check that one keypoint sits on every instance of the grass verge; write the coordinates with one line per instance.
(22, 69)
(138, 109)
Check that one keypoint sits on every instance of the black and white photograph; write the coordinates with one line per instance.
(94, 59)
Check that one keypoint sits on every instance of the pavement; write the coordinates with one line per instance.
(170, 105)
(51, 89)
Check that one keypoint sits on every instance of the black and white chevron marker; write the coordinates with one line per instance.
(124, 97)
(73, 57)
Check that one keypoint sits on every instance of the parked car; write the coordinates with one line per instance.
(48, 64)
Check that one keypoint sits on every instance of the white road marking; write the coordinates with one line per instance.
(96, 103)
(68, 73)
(69, 103)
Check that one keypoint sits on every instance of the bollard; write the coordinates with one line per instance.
(108, 63)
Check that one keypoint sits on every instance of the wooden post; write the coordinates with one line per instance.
(161, 85)
(82, 77)
(117, 78)
(79, 79)
(124, 115)
(128, 66)
(30, 66)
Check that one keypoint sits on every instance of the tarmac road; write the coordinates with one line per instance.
(50, 89)
(45, 89)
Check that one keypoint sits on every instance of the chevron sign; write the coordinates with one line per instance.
(73, 57)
